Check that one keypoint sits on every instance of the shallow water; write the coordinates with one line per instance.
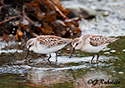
(72, 72)
(66, 73)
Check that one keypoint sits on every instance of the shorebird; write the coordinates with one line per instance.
(91, 43)
(46, 44)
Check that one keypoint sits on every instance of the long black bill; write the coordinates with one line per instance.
(27, 53)
(72, 52)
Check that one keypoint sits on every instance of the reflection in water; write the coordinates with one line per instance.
(80, 83)
(49, 78)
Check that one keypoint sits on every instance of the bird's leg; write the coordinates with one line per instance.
(92, 58)
(27, 53)
(49, 58)
(56, 56)
(97, 58)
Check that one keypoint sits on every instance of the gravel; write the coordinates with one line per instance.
(110, 20)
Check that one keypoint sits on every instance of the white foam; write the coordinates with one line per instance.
(66, 59)
(10, 51)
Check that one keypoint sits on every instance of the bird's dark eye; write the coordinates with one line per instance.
(30, 46)
(77, 44)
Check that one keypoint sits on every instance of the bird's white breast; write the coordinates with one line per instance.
(92, 49)
(44, 50)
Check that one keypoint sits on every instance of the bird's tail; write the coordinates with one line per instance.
(113, 39)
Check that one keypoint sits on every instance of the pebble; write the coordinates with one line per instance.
(92, 69)
(123, 50)
(112, 51)
(106, 13)
(68, 48)
(121, 72)
(93, 7)
(106, 52)
(106, 49)
(19, 43)
(113, 71)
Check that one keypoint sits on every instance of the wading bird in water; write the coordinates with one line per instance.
(91, 43)
(46, 44)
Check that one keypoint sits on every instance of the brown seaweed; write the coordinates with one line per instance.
(29, 18)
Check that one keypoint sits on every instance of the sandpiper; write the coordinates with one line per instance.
(46, 44)
(91, 43)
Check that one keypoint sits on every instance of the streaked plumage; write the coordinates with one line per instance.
(91, 43)
(46, 44)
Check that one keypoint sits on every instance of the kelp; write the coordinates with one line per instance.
(23, 19)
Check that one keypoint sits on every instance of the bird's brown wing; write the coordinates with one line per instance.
(51, 41)
(97, 40)
(43, 36)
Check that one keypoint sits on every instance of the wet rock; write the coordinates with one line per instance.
(106, 49)
(121, 72)
(112, 51)
(106, 52)
(92, 69)
(79, 10)
(106, 13)
(113, 71)
(123, 50)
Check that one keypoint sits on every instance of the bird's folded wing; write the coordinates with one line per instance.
(97, 40)
(52, 41)
(43, 36)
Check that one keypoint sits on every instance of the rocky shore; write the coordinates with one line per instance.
(108, 16)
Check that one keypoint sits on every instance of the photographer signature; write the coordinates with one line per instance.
(102, 81)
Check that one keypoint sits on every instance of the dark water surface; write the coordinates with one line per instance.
(67, 73)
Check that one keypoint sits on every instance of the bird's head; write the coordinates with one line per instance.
(76, 45)
(29, 46)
